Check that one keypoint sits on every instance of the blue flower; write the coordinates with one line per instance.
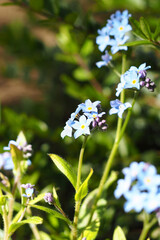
(82, 126)
(29, 190)
(118, 107)
(6, 161)
(116, 44)
(140, 187)
(80, 121)
(113, 34)
(141, 70)
(88, 106)
(120, 28)
(106, 59)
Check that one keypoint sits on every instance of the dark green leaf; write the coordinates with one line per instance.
(156, 34)
(145, 27)
(53, 212)
(137, 28)
(37, 199)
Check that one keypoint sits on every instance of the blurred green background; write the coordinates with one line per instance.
(47, 67)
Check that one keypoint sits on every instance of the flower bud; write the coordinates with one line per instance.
(49, 198)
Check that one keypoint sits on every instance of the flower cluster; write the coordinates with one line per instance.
(86, 117)
(140, 187)
(23, 146)
(29, 190)
(135, 78)
(114, 33)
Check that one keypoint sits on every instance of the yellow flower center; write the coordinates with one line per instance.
(148, 180)
(134, 81)
(89, 108)
(83, 126)
(94, 116)
(120, 28)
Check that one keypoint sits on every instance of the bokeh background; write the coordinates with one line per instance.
(47, 67)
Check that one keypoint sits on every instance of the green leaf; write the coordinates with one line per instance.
(55, 197)
(137, 28)
(145, 27)
(83, 189)
(53, 212)
(118, 234)
(37, 199)
(135, 43)
(21, 139)
(32, 220)
(156, 34)
(87, 48)
(82, 74)
(36, 4)
(65, 168)
(92, 230)
(17, 156)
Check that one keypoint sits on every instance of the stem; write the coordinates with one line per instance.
(34, 227)
(6, 225)
(146, 227)
(78, 203)
(113, 151)
(114, 70)
(11, 202)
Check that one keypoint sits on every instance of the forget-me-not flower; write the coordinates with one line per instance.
(141, 187)
(29, 190)
(106, 59)
(118, 107)
(87, 117)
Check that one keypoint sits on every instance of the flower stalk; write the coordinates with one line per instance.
(78, 203)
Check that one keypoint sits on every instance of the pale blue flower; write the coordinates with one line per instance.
(142, 67)
(118, 107)
(6, 161)
(67, 130)
(82, 126)
(29, 190)
(131, 80)
(103, 41)
(116, 44)
(152, 202)
(11, 142)
(89, 106)
(120, 28)
(106, 59)
(134, 200)
(122, 187)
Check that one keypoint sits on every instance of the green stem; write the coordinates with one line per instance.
(6, 225)
(113, 151)
(114, 70)
(146, 227)
(78, 203)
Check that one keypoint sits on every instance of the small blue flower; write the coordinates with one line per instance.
(116, 44)
(120, 28)
(118, 107)
(82, 126)
(88, 106)
(29, 190)
(106, 59)
(134, 200)
(131, 80)
(67, 130)
(143, 189)
(141, 70)
(6, 161)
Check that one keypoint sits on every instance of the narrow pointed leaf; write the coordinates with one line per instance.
(53, 212)
(145, 27)
(16, 156)
(37, 199)
(32, 220)
(83, 189)
(137, 28)
(118, 234)
(65, 168)
(156, 34)
(55, 197)
(21, 139)
(135, 43)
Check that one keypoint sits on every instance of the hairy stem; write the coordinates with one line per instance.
(78, 203)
